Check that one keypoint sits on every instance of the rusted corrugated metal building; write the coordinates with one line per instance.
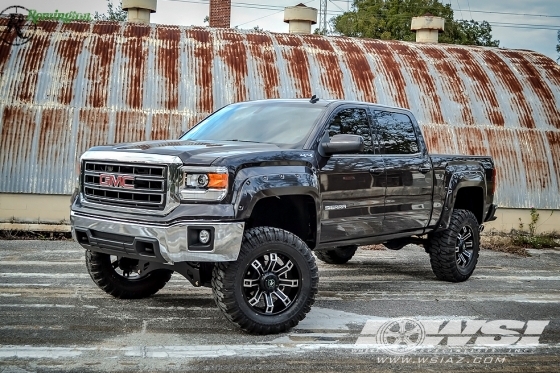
(77, 85)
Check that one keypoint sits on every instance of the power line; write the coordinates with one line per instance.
(256, 19)
(517, 14)
(280, 9)
(460, 9)
(247, 5)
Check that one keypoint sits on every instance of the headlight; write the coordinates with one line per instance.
(204, 184)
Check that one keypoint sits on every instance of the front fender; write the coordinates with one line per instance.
(273, 181)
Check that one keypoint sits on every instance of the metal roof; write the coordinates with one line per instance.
(80, 84)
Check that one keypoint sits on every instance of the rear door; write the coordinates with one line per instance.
(352, 185)
(408, 197)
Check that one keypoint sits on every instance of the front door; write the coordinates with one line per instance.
(352, 185)
(408, 198)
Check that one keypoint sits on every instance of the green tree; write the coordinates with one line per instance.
(390, 20)
(114, 13)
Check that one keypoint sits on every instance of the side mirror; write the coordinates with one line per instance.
(339, 144)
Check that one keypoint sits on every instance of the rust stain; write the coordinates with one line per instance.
(5, 48)
(47, 26)
(439, 139)
(508, 78)
(104, 29)
(31, 58)
(234, 54)
(175, 126)
(449, 75)
(297, 62)
(471, 140)
(537, 85)
(383, 53)
(359, 67)
(168, 65)
(160, 127)
(201, 41)
(18, 126)
(484, 87)
(93, 129)
(264, 58)
(553, 138)
(546, 65)
(329, 67)
(534, 159)
(103, 49)
(76, 27)
(413, 62)
(506, 156)
(135, 55)
(130, 126)
(54, 129)
(68, 50)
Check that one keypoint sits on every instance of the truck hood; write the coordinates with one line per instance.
(202, 153)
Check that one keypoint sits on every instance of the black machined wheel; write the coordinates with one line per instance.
(338, 255)
(464, 247)
(272, 284)
(125, 278)
(454, 251)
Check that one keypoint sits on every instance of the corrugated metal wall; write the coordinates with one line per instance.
(77, 85)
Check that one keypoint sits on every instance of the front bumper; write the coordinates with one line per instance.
(165, 243)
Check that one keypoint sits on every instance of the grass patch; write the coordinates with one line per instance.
(30, 235)
(504, 244)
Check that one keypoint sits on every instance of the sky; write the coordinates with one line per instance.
(540, 19)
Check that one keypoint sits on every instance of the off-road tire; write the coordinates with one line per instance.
(442, 248)
(102, 273)
(228, 281)
(339, 255)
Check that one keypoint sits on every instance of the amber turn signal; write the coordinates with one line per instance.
(218, 181)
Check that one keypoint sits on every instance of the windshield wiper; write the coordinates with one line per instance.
(240, 140)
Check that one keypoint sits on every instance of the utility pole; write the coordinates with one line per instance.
(323, 16)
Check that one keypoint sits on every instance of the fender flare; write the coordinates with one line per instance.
(458, 181)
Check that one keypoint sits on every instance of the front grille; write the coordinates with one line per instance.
(128, 185)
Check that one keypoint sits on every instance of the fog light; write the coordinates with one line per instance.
(204, 236)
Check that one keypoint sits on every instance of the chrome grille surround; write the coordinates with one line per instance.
(156, 182)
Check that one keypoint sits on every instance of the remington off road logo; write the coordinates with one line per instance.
(22, 22)
(17, 31)
(34, 16)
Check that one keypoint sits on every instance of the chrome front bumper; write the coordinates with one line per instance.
(172, 239)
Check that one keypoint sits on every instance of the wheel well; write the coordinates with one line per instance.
(472, 199)
(295, 214)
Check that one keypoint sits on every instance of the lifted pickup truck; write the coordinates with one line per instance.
(239, 202)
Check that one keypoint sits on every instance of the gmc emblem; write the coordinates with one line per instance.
(116, 181)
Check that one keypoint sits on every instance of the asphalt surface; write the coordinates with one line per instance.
(53, 318)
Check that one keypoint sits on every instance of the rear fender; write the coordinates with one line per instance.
(456, 181)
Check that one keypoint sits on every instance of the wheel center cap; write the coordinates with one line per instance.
(269, 282)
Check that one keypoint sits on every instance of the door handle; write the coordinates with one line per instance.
(424, 169)
(376, 171)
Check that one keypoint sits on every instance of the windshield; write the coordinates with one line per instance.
(286, 124)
